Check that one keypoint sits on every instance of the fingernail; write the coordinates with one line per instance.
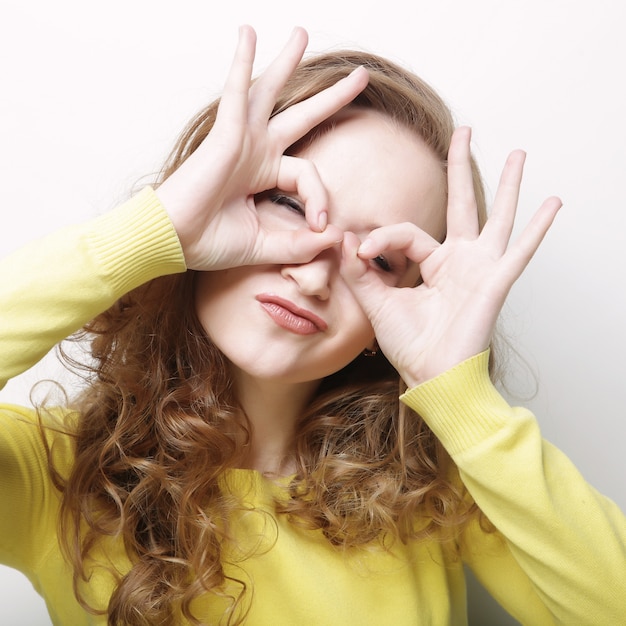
(322, 221)
(365, 247)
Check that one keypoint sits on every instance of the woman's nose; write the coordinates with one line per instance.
(313, 278)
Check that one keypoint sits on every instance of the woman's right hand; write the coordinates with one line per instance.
(210, 197)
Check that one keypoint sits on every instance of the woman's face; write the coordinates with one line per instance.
(300, 323)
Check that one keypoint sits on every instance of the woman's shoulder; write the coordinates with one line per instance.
(32, 433)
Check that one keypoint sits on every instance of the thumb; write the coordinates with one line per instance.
(367, 287)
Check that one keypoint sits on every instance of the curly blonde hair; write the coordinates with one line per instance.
(160, 423)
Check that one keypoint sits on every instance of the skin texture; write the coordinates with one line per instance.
(375, 173)
(423, 330)
(210, 198)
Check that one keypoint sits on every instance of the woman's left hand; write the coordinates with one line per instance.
(451, 315)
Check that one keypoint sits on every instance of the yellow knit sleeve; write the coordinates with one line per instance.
(52, 286)
(559, 544)
(28, 520)
(450, 401)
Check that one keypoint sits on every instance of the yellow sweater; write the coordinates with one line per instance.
(559, 556)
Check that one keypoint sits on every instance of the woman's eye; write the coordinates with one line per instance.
(382, 262)
(288, 202)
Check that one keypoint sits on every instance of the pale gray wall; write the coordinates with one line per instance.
(93, 96)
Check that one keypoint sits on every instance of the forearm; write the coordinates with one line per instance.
(51, 287)
(567, 539)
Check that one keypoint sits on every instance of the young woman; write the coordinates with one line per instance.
(288, 415)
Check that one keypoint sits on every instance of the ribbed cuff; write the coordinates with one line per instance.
(461, 406)
(136, 242)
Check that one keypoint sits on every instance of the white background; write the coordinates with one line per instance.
(94, 94)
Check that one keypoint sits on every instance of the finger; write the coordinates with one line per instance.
(497, 231)
(295, 246)
(415, 243)
(301, 175)
(521, 252)
(462, 216)
(234, 101)
(300, 118)
(367, 286)
(265, 90)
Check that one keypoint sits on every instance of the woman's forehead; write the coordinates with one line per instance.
(378, 172)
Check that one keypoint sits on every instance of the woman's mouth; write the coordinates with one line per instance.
(291, 317)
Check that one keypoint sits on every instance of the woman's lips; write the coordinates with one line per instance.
(290, 316)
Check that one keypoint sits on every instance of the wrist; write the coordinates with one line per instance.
(419, 374)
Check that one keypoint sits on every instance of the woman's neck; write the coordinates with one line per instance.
(273, 409)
